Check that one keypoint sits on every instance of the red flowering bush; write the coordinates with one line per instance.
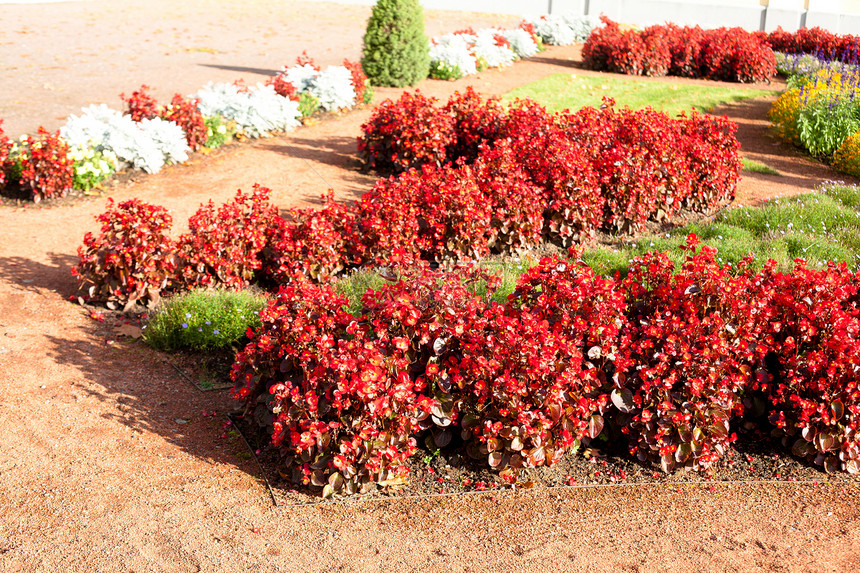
(693, 341)
(185, 113)
(316, 243)
(5, 147)
(359, 81)
(342, 406)
(532, 387)
(685, 47)
(433, 317)
(132, 260)
(438, 214)
(598, 51)
(657, 55)
(225, 246)
(714, 162)
(140, 105)
(477, 122)
(405, 134)
(733, 54)
(730, 54)
(516, 203)
(813, 334)
(47, 171)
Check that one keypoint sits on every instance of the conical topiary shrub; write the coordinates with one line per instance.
(396, 51)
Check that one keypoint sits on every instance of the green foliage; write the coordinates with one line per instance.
(442, 71)
(308, 104)
(204, 320)
(754, 166)
(565, 91)
(825, 122)
(396, 51)
(220, 131)
(818, 227)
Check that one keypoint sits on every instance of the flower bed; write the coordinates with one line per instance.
(148, 136)
(821, 113)
(670, 360)
(726, 54)
(467, 52)
(816, 41)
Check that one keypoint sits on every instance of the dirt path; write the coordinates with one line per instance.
(110, 461)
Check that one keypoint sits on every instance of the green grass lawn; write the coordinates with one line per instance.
(572, 91)
(753, 166)
(818, 226)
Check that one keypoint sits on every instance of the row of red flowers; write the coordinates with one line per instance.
(670, 360)
(727, 54)
(818, 41)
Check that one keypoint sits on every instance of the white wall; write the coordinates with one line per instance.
(839, 16)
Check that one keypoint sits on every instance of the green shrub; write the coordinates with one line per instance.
(204, 320)
(220, 131)
(308, 104)
(396, 51)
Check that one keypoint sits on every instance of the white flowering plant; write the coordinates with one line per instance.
(493, 49)
(521, 42)
(146, 145)
(451, 56)
(563, 30)
(257, 112)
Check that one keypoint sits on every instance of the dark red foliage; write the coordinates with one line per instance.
(733, 54)
(341, 406)
(132, 260)
(405, 134)
(438, 214)
(533, 386)
(224, 247)
(185, 113)
(140, 105)
(47, 172)
(690, 335)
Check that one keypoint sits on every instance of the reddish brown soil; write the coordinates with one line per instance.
(111, 461)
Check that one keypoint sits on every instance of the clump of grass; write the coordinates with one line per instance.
(204, 320)
(754, 166)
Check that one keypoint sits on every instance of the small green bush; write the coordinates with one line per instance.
(204, 320)
(396, 51)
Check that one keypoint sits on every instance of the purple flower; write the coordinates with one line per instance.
(216, 332)
(184, 325)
